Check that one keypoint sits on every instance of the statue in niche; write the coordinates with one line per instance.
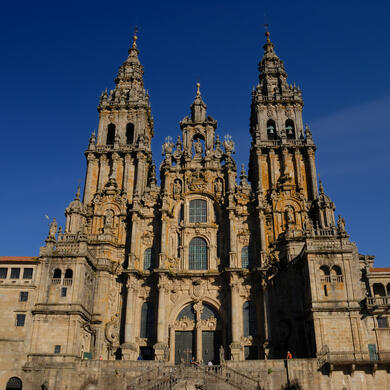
(177, 187)
(108, 219)
(198, 147)
(218, 186)
(289, 214)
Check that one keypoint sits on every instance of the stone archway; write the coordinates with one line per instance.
(197, 332)
(14, 383)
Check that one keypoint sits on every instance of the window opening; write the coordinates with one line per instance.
(147, 320)
(27, 273)
(57, 349)
(148, 259)
(3, 273)
(382, 322)
(64, 291)
(20, 319)
(23, 296)
(271, 129)
(129, 133)
(15, 273)
(110, 134)
(198, 210)
(198, 254)
(249, 317)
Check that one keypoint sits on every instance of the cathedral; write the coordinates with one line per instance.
(211, 277)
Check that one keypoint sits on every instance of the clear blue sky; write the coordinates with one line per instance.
(57, 57)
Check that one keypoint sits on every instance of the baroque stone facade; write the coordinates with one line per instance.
(200, 267)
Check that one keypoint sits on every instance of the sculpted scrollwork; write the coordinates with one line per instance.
(184, 323)
(111, 331)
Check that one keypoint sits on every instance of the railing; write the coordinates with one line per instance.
(213, 378)
(339, 357)
(67, 282)
(377, 301)
(332, 278)
(56, 281)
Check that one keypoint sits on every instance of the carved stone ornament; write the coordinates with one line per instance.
(112, 330)
(270, 111)
(184, 324)
(288, 112)
(197, 182)
(147, 238)
(209, 324)
(248, 340)
(243, 236)
(197, 290)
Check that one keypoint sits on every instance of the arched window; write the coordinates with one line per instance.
(290, 129)
(246, 257)
(336, 274)
(249, 319)
(14, 384)
(379, 290)
(208, 312)
(148, 259)
(325, 274)
(129, 133)
(388, 289)
(110, 134)
(198, 210)
(56, 276)
(187, 312)
(147, 320)
(68, 274)
(271, 129)
(198, 254)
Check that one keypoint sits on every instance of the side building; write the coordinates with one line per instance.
(213, 264)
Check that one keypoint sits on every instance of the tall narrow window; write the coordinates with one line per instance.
(23, 296)
(249, 319)
(147, 320)
(129, 133)
(198, 210)
(271, 129)
(246, 257)
(198, 254)
(110, 134)
(56, 276)
(148, 259)
(290, 129)
(68, 274)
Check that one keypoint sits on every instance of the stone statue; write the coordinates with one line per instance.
(177, 187)
(341, 223)
(53, 228)
(198, 147)
(218, 186)
(221, 355)
(109, 218)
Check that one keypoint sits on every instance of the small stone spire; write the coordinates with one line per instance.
(78, 193)
(321, 188)
(198, 107)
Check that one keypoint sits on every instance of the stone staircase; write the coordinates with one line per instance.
(193, 378)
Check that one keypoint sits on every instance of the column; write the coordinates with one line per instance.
(102, 168)
(313, 173)
(129, 348)
(89, 188)
(271, 157)
(235, 346)
(297, 160)
(139, 187)
(232, 241)
(126, 174)
(161, 345)
(259, 171)
(198, 307)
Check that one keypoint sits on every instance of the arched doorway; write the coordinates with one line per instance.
(197, 333)
(14, 384)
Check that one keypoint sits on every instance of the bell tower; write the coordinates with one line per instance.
(121, 151)
(282, 167)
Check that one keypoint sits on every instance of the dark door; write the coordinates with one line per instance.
(211, 342)
(250, 352)
(184, 346)
(147, 353)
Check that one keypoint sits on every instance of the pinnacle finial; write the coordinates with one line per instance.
(135, 37)
(321, 188)
(267, 34)
(197, 89)
(78, 192)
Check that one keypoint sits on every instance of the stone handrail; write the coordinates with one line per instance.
(378, 301)
(237, 378)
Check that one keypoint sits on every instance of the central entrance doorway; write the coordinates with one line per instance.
(197, 333)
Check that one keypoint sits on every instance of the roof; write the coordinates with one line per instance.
(18, 259)
(385, 269)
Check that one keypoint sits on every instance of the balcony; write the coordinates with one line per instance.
(375, 302)
(332, 279)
